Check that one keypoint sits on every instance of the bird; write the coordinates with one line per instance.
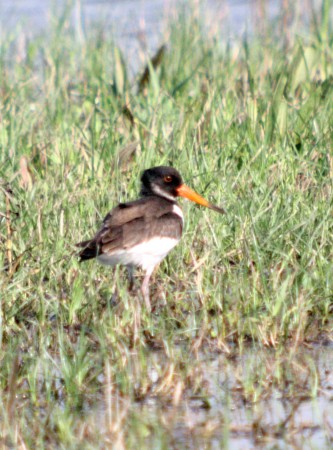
(142, 232)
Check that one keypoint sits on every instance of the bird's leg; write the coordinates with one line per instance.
(137, 320)
(145, 287)
(131, 279)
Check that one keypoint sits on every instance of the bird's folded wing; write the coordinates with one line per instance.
(139, 229)
(132, 223)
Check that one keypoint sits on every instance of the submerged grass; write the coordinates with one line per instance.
(249, 125)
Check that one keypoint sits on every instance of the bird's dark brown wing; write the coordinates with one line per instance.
(131, 223)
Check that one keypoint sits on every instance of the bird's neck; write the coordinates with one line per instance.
(157, 192)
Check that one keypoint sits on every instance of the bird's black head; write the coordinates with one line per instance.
(162, 181)
(166, 182)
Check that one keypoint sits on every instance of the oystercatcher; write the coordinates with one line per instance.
(142, 232)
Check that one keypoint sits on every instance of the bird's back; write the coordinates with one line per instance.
(150, 219)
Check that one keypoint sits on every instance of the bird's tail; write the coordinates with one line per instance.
(90, 249)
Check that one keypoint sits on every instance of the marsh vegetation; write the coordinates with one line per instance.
(242, 323)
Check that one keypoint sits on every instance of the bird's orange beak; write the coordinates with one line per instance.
(185, 191)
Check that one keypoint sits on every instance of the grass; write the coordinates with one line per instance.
(249, 126)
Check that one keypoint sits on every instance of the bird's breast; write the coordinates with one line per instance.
(147, 254)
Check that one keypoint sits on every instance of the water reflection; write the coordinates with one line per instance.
(261, 399)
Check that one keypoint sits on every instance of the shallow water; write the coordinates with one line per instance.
(130, 16)
(296, 412)
(137, 25)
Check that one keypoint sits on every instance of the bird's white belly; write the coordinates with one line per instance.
(146, 255)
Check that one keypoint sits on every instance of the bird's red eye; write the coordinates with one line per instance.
(168, 178)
